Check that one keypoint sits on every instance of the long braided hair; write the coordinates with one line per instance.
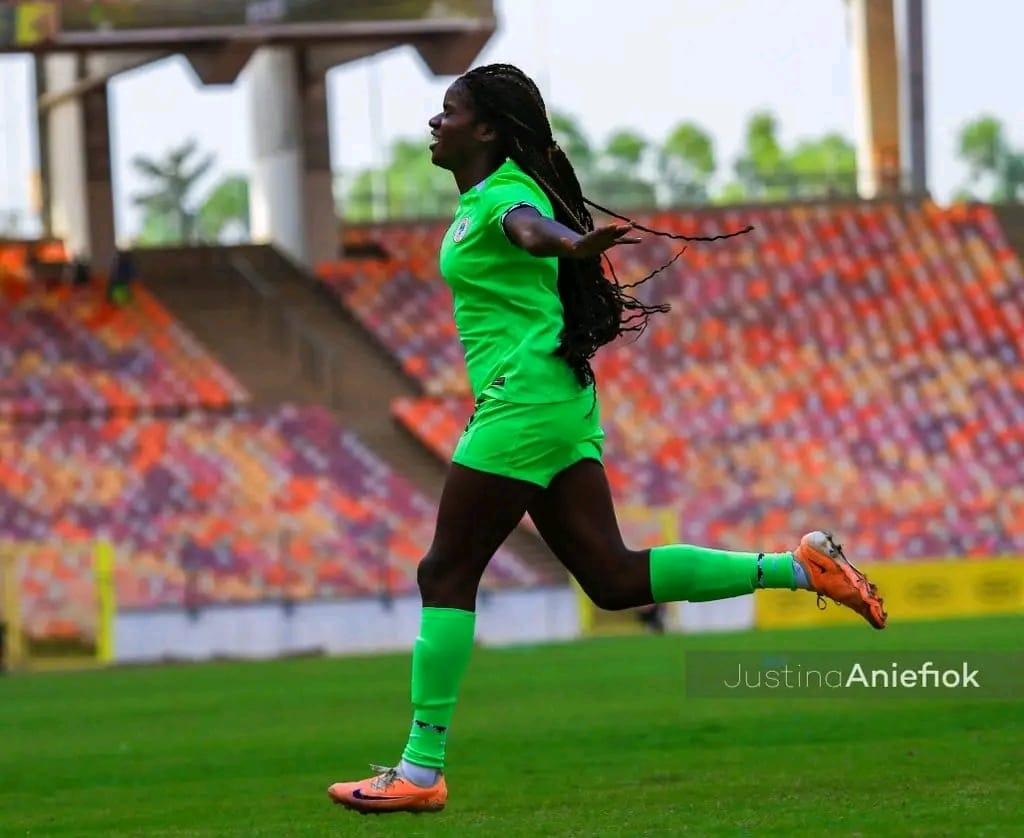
(597, 309)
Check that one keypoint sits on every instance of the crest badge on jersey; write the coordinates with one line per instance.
(461, 230)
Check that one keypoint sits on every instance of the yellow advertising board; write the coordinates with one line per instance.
(918, 590)
(58, 604)
(34, 22)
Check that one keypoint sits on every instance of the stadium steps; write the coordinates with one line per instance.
(202, 288)
(1011, 218)
(203, 292)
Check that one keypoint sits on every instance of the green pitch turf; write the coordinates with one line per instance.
(591, 739)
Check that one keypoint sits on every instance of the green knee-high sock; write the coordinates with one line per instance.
(682, 572)
(439, 660)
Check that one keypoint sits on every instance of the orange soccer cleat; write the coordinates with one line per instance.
(832, 575)
(389, 791)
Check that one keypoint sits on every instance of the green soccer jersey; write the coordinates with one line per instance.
(507, 309)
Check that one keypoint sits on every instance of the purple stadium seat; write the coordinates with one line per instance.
(849, 366)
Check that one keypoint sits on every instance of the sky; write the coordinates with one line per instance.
(645, 64)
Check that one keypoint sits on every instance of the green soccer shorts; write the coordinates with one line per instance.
(531, 442)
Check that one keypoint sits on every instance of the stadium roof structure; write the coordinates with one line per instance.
(287, 45)
(446, 33)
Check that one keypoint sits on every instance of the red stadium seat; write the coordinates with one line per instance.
(841, 366)
(205, 509)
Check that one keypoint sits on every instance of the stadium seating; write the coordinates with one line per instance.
(276, 504)
(111, 427)
(66, 350)
(856, 366)
(404, 304)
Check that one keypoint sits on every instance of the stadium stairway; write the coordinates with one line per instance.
(200, 288)
(244, 323)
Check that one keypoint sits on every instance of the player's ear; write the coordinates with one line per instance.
(485, 132)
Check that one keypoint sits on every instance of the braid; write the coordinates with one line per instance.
(597, 309)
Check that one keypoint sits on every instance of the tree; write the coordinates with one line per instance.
(410, 186)
(626, 149)
(986, 151)
(617, 176)
(613, 174)
(686, 164)
(358, 201)
(226, 206)
(168, 210)
(1012, 188)
(815, 167)
(574, 142)
(157, 229)
(415, 186)
(826, 166)
(982, 146)
(761, 168)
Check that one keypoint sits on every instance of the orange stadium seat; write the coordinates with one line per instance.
(110, 426)
(66, 350)
(856, 366)
(853, 366)
(278, 504)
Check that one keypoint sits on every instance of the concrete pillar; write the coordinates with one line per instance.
(99, 186)
(65, 164)
(75, 140)
(276, 185)
(322, 226)
(291, 202)
(877, 96)
(42, 186)
(915, 113)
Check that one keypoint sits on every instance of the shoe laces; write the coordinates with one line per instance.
(822, 602)
(835, 550)
(386, 776)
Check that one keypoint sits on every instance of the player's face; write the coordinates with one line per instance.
(458, 135)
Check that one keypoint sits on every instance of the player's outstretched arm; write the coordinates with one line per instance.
(545, 237)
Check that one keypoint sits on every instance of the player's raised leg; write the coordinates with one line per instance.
(576, 517)
(476, 513)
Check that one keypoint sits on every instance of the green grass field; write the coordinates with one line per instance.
(592, 738)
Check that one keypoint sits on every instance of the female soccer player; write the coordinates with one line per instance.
(532, 306)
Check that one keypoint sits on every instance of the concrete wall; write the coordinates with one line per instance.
(335, 628)
(369, 625)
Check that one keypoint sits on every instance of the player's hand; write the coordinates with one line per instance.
(599, 240)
